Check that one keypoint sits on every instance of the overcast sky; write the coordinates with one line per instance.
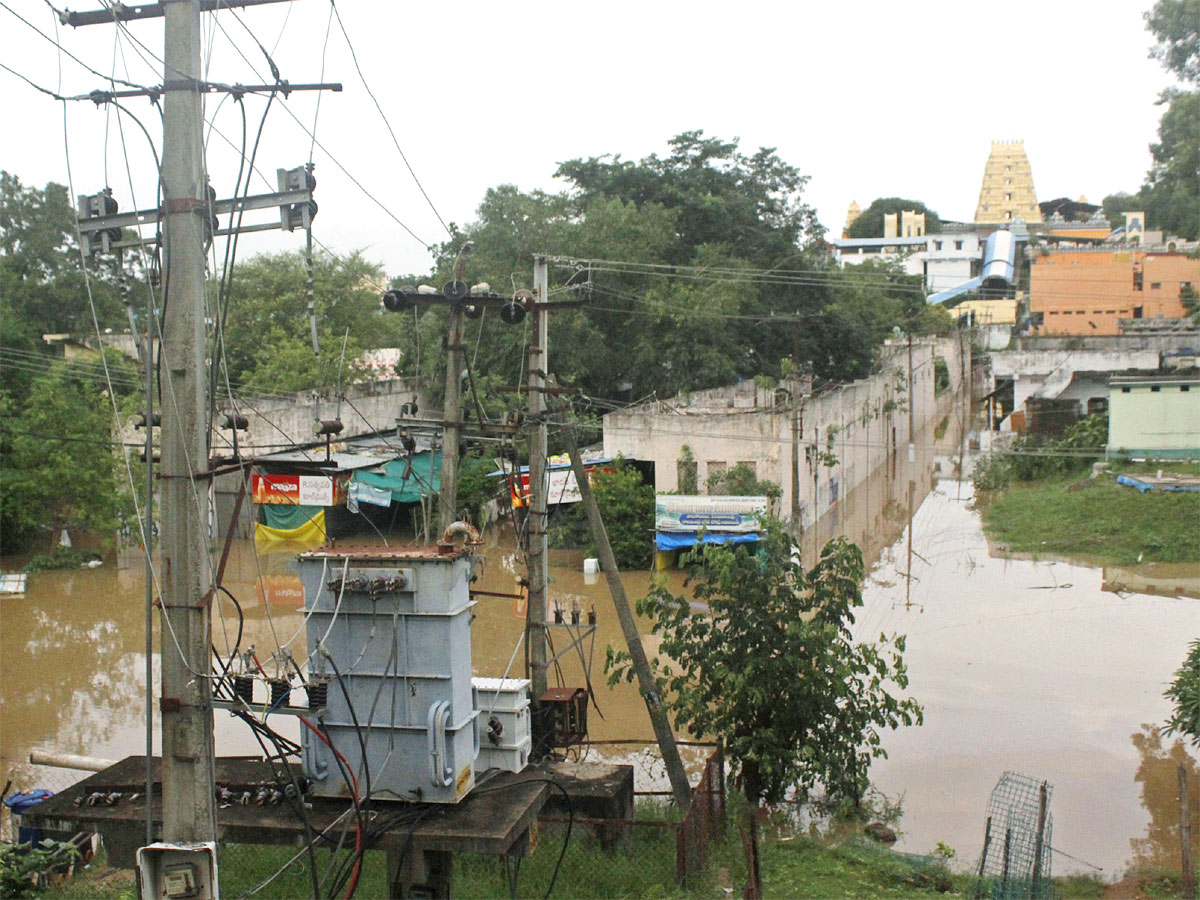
(868, 99)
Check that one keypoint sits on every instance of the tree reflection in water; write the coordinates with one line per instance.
(1157, 775)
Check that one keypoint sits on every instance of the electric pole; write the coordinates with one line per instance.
(188, 769)
(536, 522)
(452, 414)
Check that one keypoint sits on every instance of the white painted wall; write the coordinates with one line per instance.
(862, 424)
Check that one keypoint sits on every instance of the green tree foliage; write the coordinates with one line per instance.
(685, 466)
(627, 507)
(41, 282)
(1170, 195)
(1184, 693)
(762, 657)
(58, 469)
(1035, 458)
(268, 341)
(741, 481)
(870, 222)
(1175, 25)
(705, 204)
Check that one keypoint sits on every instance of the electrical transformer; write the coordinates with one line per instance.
(389, 644)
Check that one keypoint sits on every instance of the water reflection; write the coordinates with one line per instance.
(1035, 666)
(1159, 779)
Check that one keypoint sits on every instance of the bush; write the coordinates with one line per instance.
(1036, 458)
(627, 507)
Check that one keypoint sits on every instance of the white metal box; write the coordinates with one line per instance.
(511, 759)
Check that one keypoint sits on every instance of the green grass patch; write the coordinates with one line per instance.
(802, 868)
(1102, 520)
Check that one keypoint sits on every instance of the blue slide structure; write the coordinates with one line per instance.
(999, 268)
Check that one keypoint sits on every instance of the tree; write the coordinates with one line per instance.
(763, 658)
(268, 341)
(1175, 25)
(58, 469)
(40, 276)
(870, 221)
(627, 506)
(1184, 692)
(1170, 195)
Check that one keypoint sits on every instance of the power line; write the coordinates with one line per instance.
(64, 50)
(395, 141)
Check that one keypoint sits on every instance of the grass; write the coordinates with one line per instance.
(1117, 525)
(803, 868)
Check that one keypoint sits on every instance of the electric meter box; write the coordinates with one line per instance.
(394, 625)
(178, 871)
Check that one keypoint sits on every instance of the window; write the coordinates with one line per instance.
(1008, 197)
(1111, 312)
(1155, 285)
(958, 245)
(717, 468)
(1054, 312)
(1124, 390)
(1097, 405)
(1185, 286)
(1185, 387)
(751, 465)
(1008, 214)
(937, 245)
(1137, 280)
(1081, 312)
(1154, 388)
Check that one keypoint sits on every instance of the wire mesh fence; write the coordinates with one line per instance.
(1015, 862)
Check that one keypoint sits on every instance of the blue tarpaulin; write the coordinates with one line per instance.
(1144, 486)
(407, 479)
(670, 540)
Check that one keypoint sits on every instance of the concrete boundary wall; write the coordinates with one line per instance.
(841, 435)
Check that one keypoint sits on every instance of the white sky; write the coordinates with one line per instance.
(869, 99)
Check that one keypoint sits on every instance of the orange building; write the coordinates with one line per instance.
(1088, 291)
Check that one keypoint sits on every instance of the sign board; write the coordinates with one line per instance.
(296, 490)
(692, 512)
(562, 486)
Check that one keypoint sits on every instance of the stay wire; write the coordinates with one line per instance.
(382, 115)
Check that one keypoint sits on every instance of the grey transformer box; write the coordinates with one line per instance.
(389, 646)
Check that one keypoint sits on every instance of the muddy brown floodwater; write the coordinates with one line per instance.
(1045, 668)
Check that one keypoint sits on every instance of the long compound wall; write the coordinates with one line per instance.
(841, 435)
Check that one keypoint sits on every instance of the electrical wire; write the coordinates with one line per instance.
(379, 109)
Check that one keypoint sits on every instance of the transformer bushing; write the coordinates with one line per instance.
(389, 631)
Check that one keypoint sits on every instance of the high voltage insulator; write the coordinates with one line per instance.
(92, 206)
(400, 299)
(297, 215)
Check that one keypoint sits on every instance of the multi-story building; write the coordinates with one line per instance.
(1086, 291)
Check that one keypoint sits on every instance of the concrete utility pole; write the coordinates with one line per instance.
(186, 703)
(538, 488)
(452, 416)
(680, 788)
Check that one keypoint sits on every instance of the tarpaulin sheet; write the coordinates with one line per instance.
(678, 541)
(288, 515)
(408, 479)
(308, 535)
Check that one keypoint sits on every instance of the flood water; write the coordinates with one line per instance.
(1040, 667)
